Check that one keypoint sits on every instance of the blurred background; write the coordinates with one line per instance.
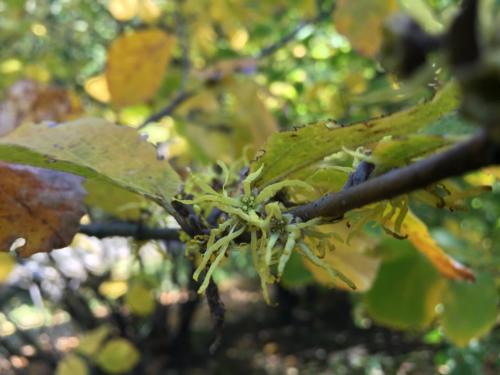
(223, 74)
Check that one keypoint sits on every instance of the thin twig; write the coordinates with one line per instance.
(272, 48)
(124, 229)
(477, 152)
(183, 95)
(180, 98)
(218, 312)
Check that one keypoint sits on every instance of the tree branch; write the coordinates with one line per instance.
(180, 98)
(477, 152)
(124, 229)
(269, 50)
(183, 95)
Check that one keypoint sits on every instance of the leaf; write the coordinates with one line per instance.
(136, 65)
(28, 100)
(324, 179)
(114, 200)
(361, 22)
(148, 11)
(95, 149)
(113, 289)
(7, 265)
(92, 341)
(221, 128)
(289, 152)
(43, 207)
(350, 259)
(72, 364)
(140, 300)
(118, 356)
(97, 88)
(470, 309)
(421, 11)
(123, 10)
(419, 236)
(251, 111)
(406, 290)
(397, 152)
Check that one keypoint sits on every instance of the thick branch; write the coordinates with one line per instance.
(477, 152)
(123, 229)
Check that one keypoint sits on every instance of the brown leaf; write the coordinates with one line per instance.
(44, 207)
(28, 100)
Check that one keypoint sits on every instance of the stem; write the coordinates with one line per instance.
(477, 152)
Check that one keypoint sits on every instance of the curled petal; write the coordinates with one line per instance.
(247, 182)
(317, 261)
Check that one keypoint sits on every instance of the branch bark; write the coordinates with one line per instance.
(124, 229)
(477, 152)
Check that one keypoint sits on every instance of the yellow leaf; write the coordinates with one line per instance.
(484, 177)
(7, 264)
(140, 300)
(113, 289)
(118, 356)
(72, 364)
(238, 39)
(494, 171)
(251, 111)
(308, 8)
(351, 260)
(419, 236)
(136, 65)
(97, 88)
(361, 22)
(123, 10)
(148, 11)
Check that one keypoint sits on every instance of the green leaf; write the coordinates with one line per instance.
(470, 309)
(287, 153)
(72, 364)
(397, 152)
(424, 14)
(114, 200)
(93, 340)
(451, 124)
(96, 149)
(118, 356)
(406, 291)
